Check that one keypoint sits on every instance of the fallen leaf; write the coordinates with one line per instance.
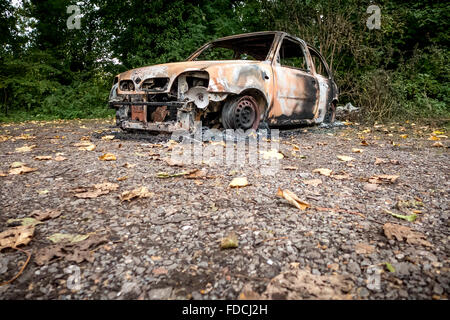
(108, 157)
(437, 145)
(25, 148)
(341, 176)
(3, 174)
(197, 174)
(14, 237)
(356, 150)
(43, 158)
(164, 175)
(96, 190)
(109, 137)
(364, 248)
(17, 164)
(76, 252)
(159, 271)
(43, 215)
(141, 192)
(129, 165)
(273, 153)
(389, 267)
(65, 237)
(345, 158)
(432, 138)
(313, 182)
(122, 178)
(21, 170)
(293, 199)
(364, 143)
(238, 182)
(380, 161)
(229, 241)
(85, 146)
(323, 171)
(60, 158)
(403, 136)
(24, 221)
(290, 168)
(401, 233)
(409, 218)
(383, 178)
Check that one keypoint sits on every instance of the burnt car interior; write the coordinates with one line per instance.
(291, 55)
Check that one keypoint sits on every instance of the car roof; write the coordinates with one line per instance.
(250, 34)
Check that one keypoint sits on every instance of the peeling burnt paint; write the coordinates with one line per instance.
(283, 95)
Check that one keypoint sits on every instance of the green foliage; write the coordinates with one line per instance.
(49, 71)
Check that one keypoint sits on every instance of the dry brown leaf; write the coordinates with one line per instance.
(174, 162)
(129, 165)
(300, 284)
(3, 174)
(141, 192)
(13, 237)
(437, 145)
(109, 137)
(43, 158)
(364, 143)
(293, 199)
(96, 190)
(380, 161)
(290, 168)
(238, 182)
(21, 170)
(323, 171)
(364, 248)
(197, 174)
(341, 176)
(383, 178)
(122, 178)
(108, 157)
(313, 182)
(356, 150)
(60, 158)
(76, 252)
(401, 233)
(43, 215)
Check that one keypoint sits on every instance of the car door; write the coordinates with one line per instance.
(296, 88)
(326, 84)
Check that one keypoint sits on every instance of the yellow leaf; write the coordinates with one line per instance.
(239, 182)
(111, 137)
(43, 158)
(25, 148)
(108, 157)
(438, 132)
(356, 150)
(323, 171)
(292, 199)
(434, 138)
(273, 153)
(403, 136)
(345, 158)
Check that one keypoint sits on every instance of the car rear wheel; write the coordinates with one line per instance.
(241, 112)
(330, 116)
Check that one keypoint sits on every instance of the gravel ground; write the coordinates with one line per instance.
(167, 245)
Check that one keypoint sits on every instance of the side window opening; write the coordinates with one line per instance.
(291, 55)
(319, 65)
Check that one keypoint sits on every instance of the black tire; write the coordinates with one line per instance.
(330, 116)
(241, 112)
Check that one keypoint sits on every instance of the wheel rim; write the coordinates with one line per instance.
(245, 114)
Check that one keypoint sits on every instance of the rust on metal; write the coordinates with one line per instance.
(288, 80)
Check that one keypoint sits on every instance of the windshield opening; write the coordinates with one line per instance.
(243, 48)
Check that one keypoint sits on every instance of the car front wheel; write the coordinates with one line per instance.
(241, 112)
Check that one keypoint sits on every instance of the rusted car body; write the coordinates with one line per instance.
(236, 82)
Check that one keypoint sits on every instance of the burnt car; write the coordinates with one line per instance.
(236, 82)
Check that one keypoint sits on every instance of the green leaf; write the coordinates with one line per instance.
(73, 238)
(409, 218)
(25, 221)
(389, 267)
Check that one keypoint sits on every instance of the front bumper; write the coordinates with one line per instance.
(166, 116)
